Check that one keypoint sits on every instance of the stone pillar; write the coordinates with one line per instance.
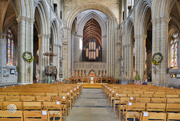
(120, 11)
(40, 58)
(137, 55)
(67, 53)
(131, 61)
(160, 44)
(125, 9)
(164, 49)
(142, 40)
(2, 54)
(108, 48)
(25, 43)
(125, 62)
(111, 37)
(46, 39)
(117, 58)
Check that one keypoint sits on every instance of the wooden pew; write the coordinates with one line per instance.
(36, 115)
(7, 116)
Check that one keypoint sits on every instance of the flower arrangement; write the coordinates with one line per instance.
(157, 58)
(137, 77)
(30, 60)
(28, 56)
(154, 62)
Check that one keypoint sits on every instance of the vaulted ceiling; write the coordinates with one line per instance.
(7, 16)
(92, 30)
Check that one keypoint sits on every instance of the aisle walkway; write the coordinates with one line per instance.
(92, 106)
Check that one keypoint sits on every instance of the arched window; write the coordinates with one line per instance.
(174, 51)
(10, 48)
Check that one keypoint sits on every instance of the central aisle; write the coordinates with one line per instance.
(92, 106)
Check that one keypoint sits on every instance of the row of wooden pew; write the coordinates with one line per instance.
(54, 100)
(42, 115)
(79, 79)
(133, 100)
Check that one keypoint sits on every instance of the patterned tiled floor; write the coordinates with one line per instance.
(92, 106)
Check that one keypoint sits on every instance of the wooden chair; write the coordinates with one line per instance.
(122, 105)
(172, 96)
(26, 94)
(7, 116)
(159, 95)
(18, 105)
(39, 94)
(173, 107)
(13, 94)
(56, 114)
(3, 93)
(1, 105)
(149, 92)
(52, 105)
(52, 94)
(54, 108)
(133, 95)
(43, 98)
(116, 100)
(143, 100)
(146, 95)
(158, 100)
(173, 116)
(28, 98)
(1, 98)
(153, 116)
(133, 110)
(12, 98)
(157, 107)
(173, 100)
(32, 106)
(36, 115)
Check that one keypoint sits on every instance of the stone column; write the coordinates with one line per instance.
(108, 48)
(40, 58)
(125, 62)
(160, 44)
(117, 58)
(2, 54)
(25, 43)
(131, 61)
(111, 37)
(120, 11)
(137, 55)
(67, 53)
(142, 56)
(164, 49)
(125, 9)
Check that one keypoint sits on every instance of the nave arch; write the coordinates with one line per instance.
(112, 34)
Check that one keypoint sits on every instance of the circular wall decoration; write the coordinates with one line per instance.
(28, 56)
(11, 108)
(157, 58)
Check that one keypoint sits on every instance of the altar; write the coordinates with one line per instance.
(92, 80)
(92, 76)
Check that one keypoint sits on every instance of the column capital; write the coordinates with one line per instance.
(44, 35)
(40, 36)
(23, 18)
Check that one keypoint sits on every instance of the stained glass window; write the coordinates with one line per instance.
(10, 48)
(174, 51)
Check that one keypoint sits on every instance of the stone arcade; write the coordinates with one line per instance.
(127, 34)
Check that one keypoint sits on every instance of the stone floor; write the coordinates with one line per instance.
(92, 106)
